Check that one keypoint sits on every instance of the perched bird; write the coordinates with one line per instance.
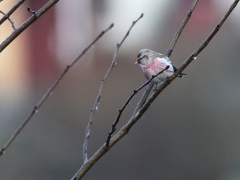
(152, 63)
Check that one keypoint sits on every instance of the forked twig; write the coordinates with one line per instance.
(93, 110)
(31, 11)
(126, 103)
(49, 91)
(125, 129)
(9, 19)
(26, 24)
(8, 14)
(169, 52)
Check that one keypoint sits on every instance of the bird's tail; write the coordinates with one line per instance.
(181, 74)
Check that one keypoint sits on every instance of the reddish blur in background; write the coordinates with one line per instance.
(191, 131)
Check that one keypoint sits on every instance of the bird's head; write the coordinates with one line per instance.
(143, 57)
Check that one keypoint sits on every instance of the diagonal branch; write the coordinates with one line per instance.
(169, 52)
(49, 91)
(95, 106)
(9, 19)
(180, 29)
(125, 105)
(125, 129)
(8, 14)
(27, 23)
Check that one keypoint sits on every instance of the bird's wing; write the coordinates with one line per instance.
(165, 57)
(162, 62)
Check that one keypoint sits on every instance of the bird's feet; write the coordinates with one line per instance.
(168, 81)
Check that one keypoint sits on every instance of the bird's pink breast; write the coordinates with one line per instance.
(155, 67)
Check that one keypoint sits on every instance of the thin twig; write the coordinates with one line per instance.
(180, 29)
(31, 11)
(93, 110)
(125, 129)
(50, 90)
(126, 103)
(168, 53)
(8, 14)
(9, 19)
(143, 98)
(27, 23)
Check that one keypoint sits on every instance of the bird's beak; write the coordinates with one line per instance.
(139, 59)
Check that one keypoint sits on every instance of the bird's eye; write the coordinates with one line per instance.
(138, 55)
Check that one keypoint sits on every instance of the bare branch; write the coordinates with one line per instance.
(49, 91)
(125, 129)
(93, 110)
(9, 19)
(180, 29)
(125, 105)
(7, 15)
(27, 23)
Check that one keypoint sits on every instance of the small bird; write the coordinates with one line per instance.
(152, 63)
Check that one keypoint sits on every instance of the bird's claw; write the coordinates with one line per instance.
(168, 80)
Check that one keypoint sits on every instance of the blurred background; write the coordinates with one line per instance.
(191, 131)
